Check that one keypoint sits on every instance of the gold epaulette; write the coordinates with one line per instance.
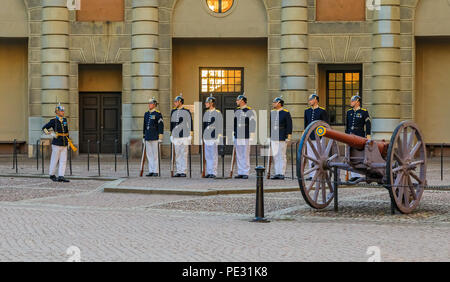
(364, 109)
(285, 110)
(322, 108)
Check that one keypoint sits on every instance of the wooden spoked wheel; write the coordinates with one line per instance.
(318, 191)
(406, 167)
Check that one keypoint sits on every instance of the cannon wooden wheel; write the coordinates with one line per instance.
(319, 192)
(406, 167)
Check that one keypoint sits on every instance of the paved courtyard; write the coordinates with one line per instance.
(44, 221)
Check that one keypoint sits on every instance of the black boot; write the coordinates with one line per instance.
(53, 178)
(62, 179)
(150, 174)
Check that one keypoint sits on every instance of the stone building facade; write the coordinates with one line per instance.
(398, 52)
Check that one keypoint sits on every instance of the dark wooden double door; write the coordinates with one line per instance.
(100, 120)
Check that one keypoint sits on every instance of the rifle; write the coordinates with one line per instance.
(233, 161)
(141, 173)
(269, 167)
(172, 159)
(203, 163)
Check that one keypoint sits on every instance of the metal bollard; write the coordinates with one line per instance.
(259, 211)
(442, 162)
(14, 154)
(190, 161)
(37, 155)
(70, 160)
(42, 157)
(98, 157)
(128, 168)
(115, 154)
(89, 152)
(256, 153)
(292, 161)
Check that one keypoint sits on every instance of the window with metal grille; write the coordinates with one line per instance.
(219, 6)
(221, 80)
(341, 86)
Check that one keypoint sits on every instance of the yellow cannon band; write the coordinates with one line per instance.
(321, 130)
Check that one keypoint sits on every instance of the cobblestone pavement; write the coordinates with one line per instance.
(40, 220)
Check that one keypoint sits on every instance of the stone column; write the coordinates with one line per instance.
(294, 57)
(145, 63)
(385, 97)
(55, 57)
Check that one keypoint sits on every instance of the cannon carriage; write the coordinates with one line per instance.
(398, 165)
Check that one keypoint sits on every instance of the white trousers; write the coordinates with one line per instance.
(243, 156)
(310, 152)
(59, 153)
(211, 157)
(279, 156)
(151, 148)
(181, 154)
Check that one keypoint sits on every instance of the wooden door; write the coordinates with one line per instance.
(100, 120)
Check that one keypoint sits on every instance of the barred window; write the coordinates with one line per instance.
(341, 86)
(219, 6)
(225, 80)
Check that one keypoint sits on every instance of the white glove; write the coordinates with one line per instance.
(171, 139)
(53, 134)
(190, 139)
(143, 140)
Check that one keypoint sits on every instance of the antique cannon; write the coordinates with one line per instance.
(400, 165)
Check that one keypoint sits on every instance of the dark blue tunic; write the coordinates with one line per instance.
(183, 118)
(58, 127)
(356, 120)
(280, 121)
(153, 125)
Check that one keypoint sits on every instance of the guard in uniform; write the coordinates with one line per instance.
(181, 128)
(212, 129)
(357, 119)
(60, 142)
(153, 134)
(244, 133)
(280, 132)
(312, 113)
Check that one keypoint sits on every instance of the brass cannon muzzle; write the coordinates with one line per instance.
(352, 140)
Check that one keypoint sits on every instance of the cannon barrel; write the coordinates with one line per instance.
(352, 140)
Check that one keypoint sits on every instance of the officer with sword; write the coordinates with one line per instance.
(60, 142)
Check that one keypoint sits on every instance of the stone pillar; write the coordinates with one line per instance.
(385, 97)
(55, 57)
(294, 57)
(145, 64)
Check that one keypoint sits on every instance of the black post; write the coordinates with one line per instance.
(190, 161)
(15, 150)
(257, 147)
(37, 155)
(336, 189)
(442, 162)
(292, 160)
(98, 157)
(70, 160)
(42, 156)
(223, 156)
(128, 168)
(265, 155)
(89, 152)
(159, 159)
(115, 154)
(14, 154)
(259, 211)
